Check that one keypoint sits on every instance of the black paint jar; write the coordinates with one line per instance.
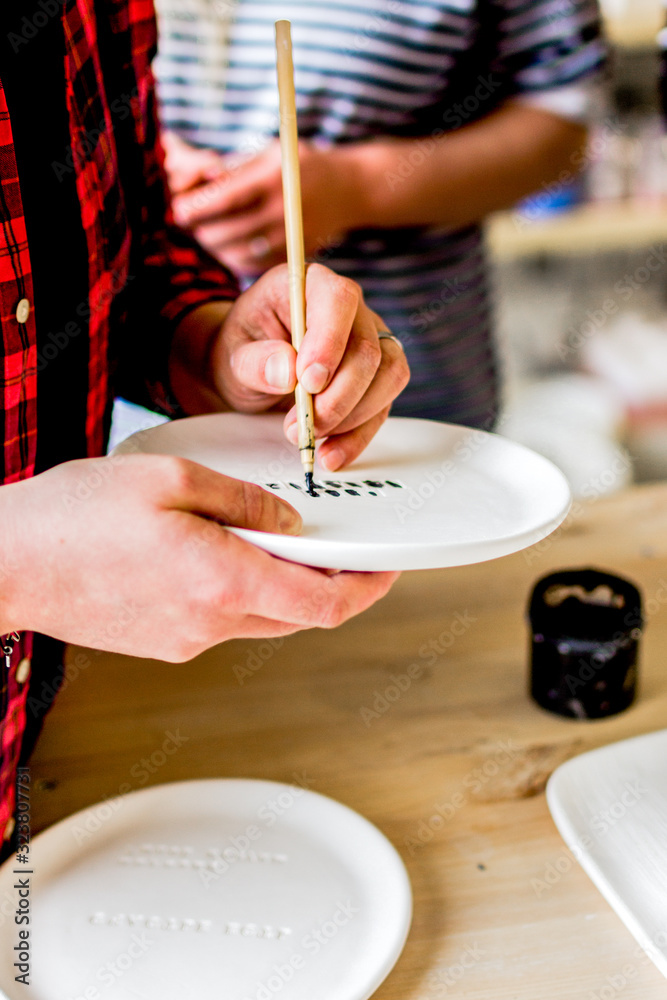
(586, 627)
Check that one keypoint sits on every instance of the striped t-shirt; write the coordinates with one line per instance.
(367, 68)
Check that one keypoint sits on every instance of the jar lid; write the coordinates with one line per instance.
(586, 604)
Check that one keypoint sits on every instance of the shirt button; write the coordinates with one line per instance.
(9, 829)
(23, 670)
(22, 311)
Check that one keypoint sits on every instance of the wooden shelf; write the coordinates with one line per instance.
(583, 230)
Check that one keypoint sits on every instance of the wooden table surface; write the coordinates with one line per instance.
(501, 911)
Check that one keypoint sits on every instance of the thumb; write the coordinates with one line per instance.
(267, 366)
(234, 502)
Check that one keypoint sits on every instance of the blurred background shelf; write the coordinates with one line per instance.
(581, 292)
(633, 23)
(588, 228)
(635, 32)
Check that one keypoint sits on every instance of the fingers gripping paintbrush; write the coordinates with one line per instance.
(296, 262)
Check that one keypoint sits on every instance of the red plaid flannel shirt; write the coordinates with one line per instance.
(175, 275)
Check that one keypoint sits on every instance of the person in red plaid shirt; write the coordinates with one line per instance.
(101, 294)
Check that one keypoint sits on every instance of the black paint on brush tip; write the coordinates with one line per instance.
(309, 484)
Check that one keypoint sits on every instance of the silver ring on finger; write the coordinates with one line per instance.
(388, 335)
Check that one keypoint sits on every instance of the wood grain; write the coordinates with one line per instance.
(461, 745)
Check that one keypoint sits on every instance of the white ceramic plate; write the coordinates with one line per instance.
(423, 495)
(610, 806)
(209, 890)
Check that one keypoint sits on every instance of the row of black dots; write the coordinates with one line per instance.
(334, 488)
(374, 484)
(316, 486)
(328, 487)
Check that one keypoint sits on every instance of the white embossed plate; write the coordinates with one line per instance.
(423, 495)
(209, 890)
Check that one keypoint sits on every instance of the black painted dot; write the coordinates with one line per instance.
(371, 494)
(332, 493)
(331, 482)
(358, 485)
(273, 486)
(397, 485)
(374, 482)
(353, 493)
(295, 486)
